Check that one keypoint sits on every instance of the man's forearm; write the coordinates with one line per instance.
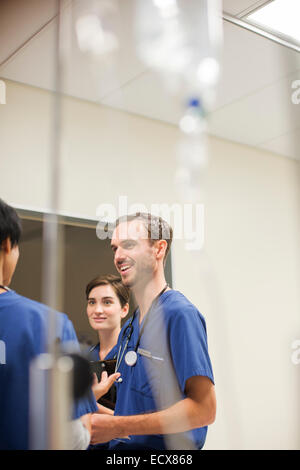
(181, 417)
(195, 411)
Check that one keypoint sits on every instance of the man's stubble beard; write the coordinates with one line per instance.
(140, 278)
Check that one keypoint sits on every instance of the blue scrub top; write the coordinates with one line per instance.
(94, 353)
(94, 356)
(176, 333)
(23, 331)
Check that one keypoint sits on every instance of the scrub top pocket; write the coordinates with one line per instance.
(146, 378)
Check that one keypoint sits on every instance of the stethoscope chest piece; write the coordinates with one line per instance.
(131, 358)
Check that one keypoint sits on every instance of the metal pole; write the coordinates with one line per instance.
(51, 375)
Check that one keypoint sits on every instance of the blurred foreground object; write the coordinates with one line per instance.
(181, 40)
(56, 383)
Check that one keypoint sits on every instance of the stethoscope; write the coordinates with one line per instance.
(5, 288)
(131, 356)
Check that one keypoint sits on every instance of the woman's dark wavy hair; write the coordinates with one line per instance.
(115, 282)
(10, 224)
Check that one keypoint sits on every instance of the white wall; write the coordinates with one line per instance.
(246, 280)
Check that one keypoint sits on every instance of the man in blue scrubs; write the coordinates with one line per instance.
(23, 335)
(166, 396)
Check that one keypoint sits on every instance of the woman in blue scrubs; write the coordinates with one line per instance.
(107, 305)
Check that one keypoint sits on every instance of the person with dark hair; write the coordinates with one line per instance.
(10, 232)
(166, 398)
(23, 332)
(107, 304)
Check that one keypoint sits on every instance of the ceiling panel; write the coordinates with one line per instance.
(257, 119)
(287, 144)
(253, 98)
(148, 97)
(84, 76)
(260, 117)
(251, 64)
(35, 63)
(19, 20)
(236, 7)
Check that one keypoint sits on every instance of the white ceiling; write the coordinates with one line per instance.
(253, 104)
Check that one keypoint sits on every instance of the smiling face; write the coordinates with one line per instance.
(135, 256)
(104, 309)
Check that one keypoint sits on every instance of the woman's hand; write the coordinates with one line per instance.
(102, 387)
(103, 410)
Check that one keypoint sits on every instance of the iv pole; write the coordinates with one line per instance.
(51, 375)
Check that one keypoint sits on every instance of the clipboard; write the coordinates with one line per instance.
(97, 367)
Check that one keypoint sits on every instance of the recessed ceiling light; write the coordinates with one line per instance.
(279, 16)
